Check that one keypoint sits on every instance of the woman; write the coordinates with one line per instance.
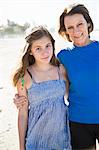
(42, 80)
(82, 65)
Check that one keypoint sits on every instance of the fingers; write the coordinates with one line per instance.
(19, 101)
(16, 95)
(19, 106)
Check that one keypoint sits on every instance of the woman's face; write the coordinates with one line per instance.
(42, 50)
(77, 29)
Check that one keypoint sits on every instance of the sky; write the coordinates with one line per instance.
(42, 12)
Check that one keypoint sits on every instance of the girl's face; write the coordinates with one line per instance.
(42, 50)
(77, 29)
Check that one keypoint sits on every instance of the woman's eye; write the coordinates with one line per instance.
(70, 28)
(80, 24)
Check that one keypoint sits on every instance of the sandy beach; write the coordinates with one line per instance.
(9, 55)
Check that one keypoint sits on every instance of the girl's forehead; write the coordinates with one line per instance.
(42, 41)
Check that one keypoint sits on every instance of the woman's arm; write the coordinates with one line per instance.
(22, 116)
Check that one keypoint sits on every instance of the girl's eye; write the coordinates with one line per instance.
(37, 49)
(49, 45)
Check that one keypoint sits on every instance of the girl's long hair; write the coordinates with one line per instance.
(27, 59)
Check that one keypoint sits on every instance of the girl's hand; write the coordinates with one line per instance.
(19, 101)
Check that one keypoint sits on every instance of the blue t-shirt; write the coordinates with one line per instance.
(82, 65)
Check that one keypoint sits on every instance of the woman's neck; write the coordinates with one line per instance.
(88, 41)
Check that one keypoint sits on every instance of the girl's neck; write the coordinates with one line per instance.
(42, 68)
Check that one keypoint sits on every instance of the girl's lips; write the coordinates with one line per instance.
(45, 57)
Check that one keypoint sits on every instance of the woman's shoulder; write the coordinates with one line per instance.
(97, 42)
(65, 51)
(94, 44)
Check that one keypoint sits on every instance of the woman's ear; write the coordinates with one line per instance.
(88, 25)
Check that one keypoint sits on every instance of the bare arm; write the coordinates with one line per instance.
(65, 76)
(22, 116)
(21, 100)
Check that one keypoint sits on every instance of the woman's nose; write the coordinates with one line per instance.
(76, 30)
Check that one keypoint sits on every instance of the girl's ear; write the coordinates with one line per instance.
(30, 53)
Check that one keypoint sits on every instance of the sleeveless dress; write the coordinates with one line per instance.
(48, 126)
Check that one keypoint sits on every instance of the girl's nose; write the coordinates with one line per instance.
(44, 51)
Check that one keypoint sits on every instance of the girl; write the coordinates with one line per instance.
(43, 120)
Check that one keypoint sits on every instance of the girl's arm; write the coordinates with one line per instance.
(65, 76)
(22, 116)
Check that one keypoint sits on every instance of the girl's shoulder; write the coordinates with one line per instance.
(62, 71)
(27, 78)
(62, 68)
(28, 72)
